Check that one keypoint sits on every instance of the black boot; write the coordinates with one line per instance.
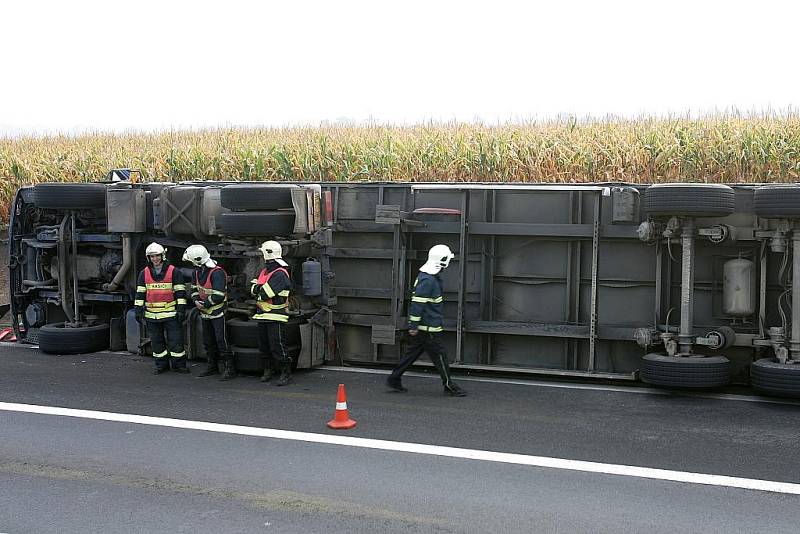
(454, 390)
(212, 367)
(286, 374)
(229, 371)
(269, 373)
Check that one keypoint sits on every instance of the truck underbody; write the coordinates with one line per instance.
(679, 285)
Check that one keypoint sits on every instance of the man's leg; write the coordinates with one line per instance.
(438, 355)
(277, 344)
(221, 337)
(212, 350)
(155, 330)
(177, 353)
(413, 352)
(264, 349)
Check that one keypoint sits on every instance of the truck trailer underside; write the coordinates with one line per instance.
(678, 285)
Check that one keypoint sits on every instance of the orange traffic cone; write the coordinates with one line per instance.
(341, 419)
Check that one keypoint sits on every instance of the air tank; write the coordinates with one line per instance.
(739, 288)
(312, 278)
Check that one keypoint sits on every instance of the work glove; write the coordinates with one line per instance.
(139, 315)
(180, 316)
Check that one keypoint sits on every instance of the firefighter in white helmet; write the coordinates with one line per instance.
(425, 323)
(210, 296)
(271, 290)
(160, 304)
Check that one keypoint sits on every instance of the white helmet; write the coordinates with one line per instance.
(271, 250)
(153, 249)
(439, 257)
(199, 256)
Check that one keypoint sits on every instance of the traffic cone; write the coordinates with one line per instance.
(341, 419)
(7, 334)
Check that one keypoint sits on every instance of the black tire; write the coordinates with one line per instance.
(69, 196)
(247, 360)
(245, 333)
(263, 223)
(242, 334)
(777, 201)
(684, 372)
(693, 200)
(773, 378)
(262, 197)
(57, 339)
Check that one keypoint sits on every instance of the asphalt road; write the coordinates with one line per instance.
(65, 474)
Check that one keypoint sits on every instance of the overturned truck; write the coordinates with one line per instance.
(677, 285)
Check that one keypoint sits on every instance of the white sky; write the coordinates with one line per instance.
(76, 65)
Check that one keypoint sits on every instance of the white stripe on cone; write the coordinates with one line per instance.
(341, 405)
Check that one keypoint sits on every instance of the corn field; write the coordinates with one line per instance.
(725, 148)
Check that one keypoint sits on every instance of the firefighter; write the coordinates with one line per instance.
(210, 297)
(425, 323)
(271, 290)
(161, 302)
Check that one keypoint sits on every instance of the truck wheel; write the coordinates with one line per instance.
(242, 333)
(773, 378)
(692, 200)
(247, 360)
(684, 372)
(57, 338)
(69, 196)
(262, 197)
(245, 333)
(266, 223)
(777, 201)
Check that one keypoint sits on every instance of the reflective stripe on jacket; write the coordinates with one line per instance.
(272, 293)
(160, 297)
(425, 309)
(212, 299)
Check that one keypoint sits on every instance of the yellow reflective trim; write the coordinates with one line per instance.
(430, 328)
(159, 285)
(271, 317)
(141, 288)
(159, 315)
(138, 302)
(182, 301)
(436, 300)
(178, 354)
(269, 291)
(160, 305)
(160, 354)
(415, 318)
(266, 306)
(206, 312)
(179, 287)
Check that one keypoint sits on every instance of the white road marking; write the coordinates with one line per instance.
(418, 448)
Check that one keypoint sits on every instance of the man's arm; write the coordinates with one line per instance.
(179, 287)
(419, 300)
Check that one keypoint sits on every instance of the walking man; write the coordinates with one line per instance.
(160, 303)
(210, 297)
(425, 323)
(271, 290)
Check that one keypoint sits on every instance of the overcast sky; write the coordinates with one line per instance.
(72, 66)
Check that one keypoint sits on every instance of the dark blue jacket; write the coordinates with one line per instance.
(425, 310)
